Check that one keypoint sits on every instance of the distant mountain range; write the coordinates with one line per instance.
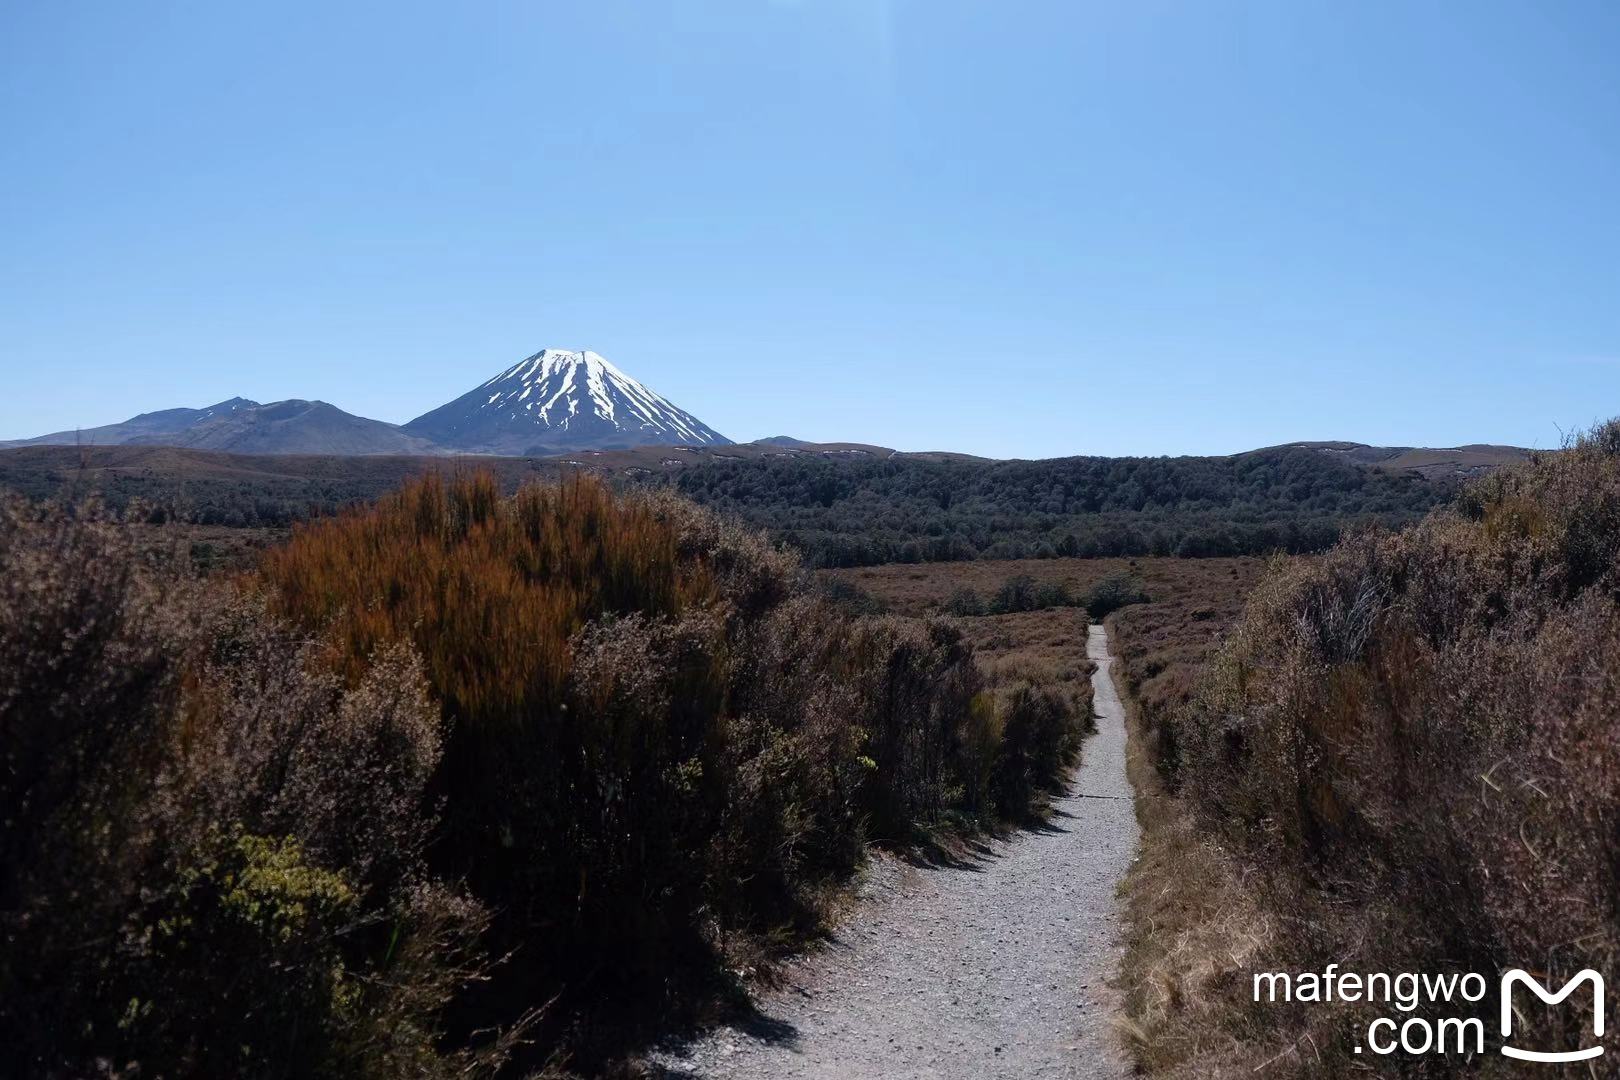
(560, 402)
(147, 428)
(240, 426)
(552, 402)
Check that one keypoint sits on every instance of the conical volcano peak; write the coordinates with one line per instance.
(562, 399)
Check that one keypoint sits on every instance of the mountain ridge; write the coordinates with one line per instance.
(558, 402)
(1433, 462)
(241, 425)
(157, 422)
(554, 401)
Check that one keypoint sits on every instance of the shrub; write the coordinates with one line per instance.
(792, 769)
(1414, 735)
(245, 897)
(621, 837)
(1017, 593)
(1112, 593)
(1052, 594)
(1039, 737)
(850, 597)
(207, 858)
(658, 734)
(914, 682)
(980, 754)
(964, 602)
(1021, 592)
(563, 633)
(286, 823)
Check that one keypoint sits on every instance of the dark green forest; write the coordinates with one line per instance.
(844, 512)
(848, 510)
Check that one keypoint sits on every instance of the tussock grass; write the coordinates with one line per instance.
(1401, 758)
(1194, 933)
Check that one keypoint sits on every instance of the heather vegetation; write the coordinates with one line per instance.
(445, 775)
(1024, 592)
(212, 851)
(1403, 758)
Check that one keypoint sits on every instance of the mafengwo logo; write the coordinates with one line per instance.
(1519, 977)
(1435, 1033)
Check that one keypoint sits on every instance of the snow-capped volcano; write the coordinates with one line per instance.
(559, 399)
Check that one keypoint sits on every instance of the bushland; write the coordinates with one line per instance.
(211, 848)
(1410, 744)
(451, 784)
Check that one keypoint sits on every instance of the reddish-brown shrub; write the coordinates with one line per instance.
(286, 823)
(208, 863)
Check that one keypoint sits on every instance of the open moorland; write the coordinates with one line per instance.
(625, 757)
(1388, 757)
(1186, 583)
(1169, 614)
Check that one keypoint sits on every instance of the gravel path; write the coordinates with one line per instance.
(996, 969)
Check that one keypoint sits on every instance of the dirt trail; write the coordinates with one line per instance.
(996, 969)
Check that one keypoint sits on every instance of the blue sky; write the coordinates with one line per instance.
(1012, 228)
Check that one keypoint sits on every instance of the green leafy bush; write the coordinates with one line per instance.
(1021, 592)
(1018, 593)
(965, 602)
(1112, 593)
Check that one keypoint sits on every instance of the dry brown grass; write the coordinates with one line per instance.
(208, 548)
(916, 589)
(1193, 933)
(1161, 643)
(1401, 758)
(1044, 647)
(1192, 930)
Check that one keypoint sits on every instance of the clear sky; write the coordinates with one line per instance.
(1012, 228)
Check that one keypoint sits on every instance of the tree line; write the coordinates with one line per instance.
(860, 511)
(867, 511)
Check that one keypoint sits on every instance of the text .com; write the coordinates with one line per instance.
(1463, 1034)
